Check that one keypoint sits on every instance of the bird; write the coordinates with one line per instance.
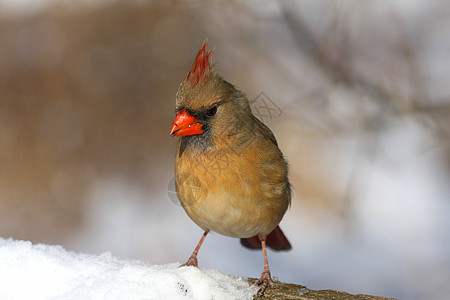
(230, 175)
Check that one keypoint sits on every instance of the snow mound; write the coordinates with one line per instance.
(39, 271)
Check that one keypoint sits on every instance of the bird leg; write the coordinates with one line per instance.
(266, 279)
(192, 261)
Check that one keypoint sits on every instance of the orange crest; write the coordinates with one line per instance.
(201, 68)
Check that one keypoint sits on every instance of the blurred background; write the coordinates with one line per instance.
(356, 92)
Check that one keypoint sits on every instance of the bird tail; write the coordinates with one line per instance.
(276, 240)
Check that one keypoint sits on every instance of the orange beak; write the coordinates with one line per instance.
(185, 124)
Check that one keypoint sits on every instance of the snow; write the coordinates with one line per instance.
(40, 271)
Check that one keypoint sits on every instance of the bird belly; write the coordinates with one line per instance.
(222, 214)
(226, 219)
(229, 205)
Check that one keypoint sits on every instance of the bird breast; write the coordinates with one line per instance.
(234, 194)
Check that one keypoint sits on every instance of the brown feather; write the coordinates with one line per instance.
(276, 240)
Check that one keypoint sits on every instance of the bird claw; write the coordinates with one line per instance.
(192, 261)
(264, 282)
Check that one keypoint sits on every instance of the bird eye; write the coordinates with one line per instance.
(212, 111)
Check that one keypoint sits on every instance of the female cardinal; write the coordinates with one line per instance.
(230, 175)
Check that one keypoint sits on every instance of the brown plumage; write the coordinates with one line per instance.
(230, 175)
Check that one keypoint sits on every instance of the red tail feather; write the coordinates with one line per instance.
(276, 240)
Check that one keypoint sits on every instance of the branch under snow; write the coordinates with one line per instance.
(39, 271)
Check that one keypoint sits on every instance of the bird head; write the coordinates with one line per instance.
(206, 103)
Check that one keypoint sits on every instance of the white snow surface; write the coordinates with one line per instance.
(40, 271)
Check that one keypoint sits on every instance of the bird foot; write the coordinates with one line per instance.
(192, 261)
(264, 282)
